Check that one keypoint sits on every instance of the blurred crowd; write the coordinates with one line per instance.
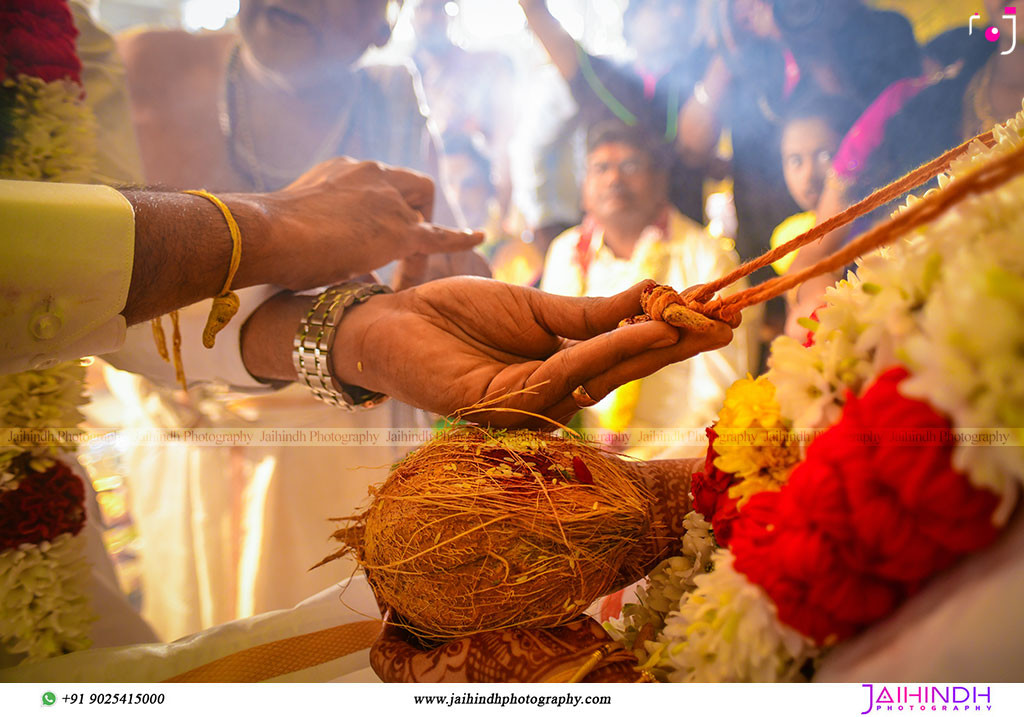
(725, 128)
(760, 115)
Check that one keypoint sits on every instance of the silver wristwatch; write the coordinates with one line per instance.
(315, 338)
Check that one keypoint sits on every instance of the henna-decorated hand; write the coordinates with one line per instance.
(559, 654)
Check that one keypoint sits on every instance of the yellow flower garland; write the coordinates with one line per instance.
(754, 442)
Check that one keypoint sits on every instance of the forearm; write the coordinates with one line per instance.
(669, 483)
(559, 44)
(183, 250)
(699, 126)
(269, 334)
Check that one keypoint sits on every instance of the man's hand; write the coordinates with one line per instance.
(455, 343)
(344, 218)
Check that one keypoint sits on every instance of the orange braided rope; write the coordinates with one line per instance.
(658, 300)
(876, 199)
(988, 177)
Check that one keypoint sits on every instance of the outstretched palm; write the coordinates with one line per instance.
(456, 343)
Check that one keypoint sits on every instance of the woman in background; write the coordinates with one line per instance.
(979, 84)
(765, 50)
(812, 128)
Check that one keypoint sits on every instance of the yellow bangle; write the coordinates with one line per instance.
(225, 304)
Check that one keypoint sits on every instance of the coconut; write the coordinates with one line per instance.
(482, 530)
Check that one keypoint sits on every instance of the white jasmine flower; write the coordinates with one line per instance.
(40, 401)
(727, 630)
(44, 611)
(53, 135)
(666, 586)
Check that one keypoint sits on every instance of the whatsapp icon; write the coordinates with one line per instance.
(49, 698)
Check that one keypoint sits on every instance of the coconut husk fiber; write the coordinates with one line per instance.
(481, 530)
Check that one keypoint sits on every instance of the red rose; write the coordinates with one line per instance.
(915, 513)
(865, 519)
(723, 519)
(44, 506)
(710, 489)
(38, 39)
(709, 485)
(782, 547)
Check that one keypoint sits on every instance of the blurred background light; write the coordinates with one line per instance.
(207, 14)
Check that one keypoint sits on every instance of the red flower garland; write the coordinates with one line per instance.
(37, 38)
(710, 490)
(42, 507)
(868, 516)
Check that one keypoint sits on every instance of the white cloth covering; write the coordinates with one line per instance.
(347, 602)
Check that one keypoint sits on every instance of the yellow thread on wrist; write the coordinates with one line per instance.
(179, 367)
(225, 304)
(160, 338)
(161, 346)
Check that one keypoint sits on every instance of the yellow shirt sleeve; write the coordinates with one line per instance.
(788, 230)
(66, 253)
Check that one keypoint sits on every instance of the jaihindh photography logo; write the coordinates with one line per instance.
(993, 33)
(927, 698)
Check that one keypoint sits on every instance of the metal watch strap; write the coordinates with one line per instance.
(314, 340)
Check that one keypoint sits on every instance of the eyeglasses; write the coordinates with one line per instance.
(627, 167)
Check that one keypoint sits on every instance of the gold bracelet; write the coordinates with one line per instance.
(225, 304)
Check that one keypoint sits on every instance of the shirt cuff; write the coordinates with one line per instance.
(66, 253)
(221, 364)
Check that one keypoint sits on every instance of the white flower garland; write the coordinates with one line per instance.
(948, 303)
(43, 401)
(727, 630)
(666, 585)
(54, 133)
(45, 611)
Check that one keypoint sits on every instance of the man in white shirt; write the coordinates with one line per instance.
(631, 233)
